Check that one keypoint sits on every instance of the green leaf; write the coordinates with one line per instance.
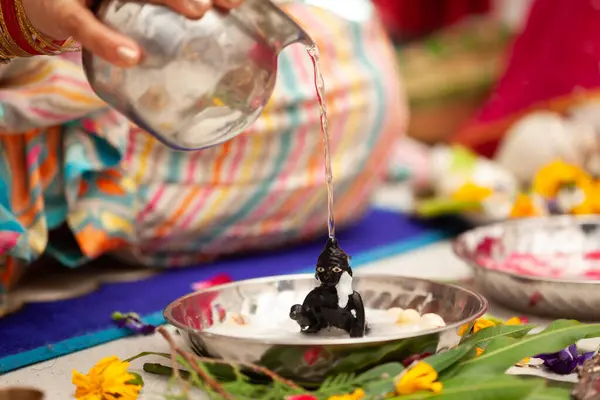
(500, 343)
(446, 359)
(463, 159)
(371, 356)
(342, 383)
(550, 393)
(193, 377)
(503, 387)
(503, 352)
(385, 371)
(487, 334)
(495, 320)
(379, 389)
(434, 207)
(561, 323)
(137, 380)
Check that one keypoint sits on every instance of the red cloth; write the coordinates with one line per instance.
(554, 64)
(410, 18)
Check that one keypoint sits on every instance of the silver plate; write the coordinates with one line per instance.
(563, 287)
(311, 359)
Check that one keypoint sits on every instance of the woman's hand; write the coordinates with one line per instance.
(61, 19)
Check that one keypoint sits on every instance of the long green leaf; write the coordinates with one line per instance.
(550, 393)
(497, 359)
(500, 343)
(379, 389)
(487, 334)
(561, 323)
(384, 371)
(499, 388)
(444, 360)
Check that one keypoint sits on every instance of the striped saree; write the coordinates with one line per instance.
(69, 161)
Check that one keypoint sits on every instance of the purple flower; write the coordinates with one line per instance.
(133, 322)
(565, 361)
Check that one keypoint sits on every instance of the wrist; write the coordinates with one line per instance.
(46, 27)
(20, 37)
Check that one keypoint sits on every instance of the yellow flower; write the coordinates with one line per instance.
(472, 192)
(420, 377)
(480, 323)
(514, 321)
(524, 207)
(550, 178)
(590, 203)
(107, 380)
(479, 351)
(358, 394)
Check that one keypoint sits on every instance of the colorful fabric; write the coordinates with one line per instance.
(552, 66)
(67, 160)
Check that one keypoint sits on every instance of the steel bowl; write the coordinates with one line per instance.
(562, 288)
(311, 359)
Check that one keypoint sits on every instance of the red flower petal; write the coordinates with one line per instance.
(301, 397)
(214, 281)
(311, 356)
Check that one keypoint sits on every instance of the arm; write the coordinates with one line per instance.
(50, 27)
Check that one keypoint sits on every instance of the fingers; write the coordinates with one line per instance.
(190, 8)
(228, 4)
(97, 38)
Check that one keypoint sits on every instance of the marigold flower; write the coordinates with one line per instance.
(514, 321)
(107, 380)
(421, 376)
(358, 394)
(471, 192)
(523, 207)
(480, 323)
(550, 178)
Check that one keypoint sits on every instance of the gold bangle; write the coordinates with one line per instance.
(5, 56)
(38, 40)
(5, 53)
(26, 30)
(7, 41)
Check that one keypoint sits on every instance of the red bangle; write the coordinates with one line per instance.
(13, 27)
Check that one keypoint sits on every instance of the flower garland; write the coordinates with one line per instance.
(472, 370)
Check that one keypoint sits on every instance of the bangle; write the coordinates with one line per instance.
(19, 38)
(37, 40)
(9, 48)
(12, 31)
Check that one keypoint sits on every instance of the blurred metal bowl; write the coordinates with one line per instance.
(311, 359)
(20, 393)
(570, 295)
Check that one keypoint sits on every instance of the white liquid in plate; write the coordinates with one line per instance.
(272, 321)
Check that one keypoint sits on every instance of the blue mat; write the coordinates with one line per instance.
(47, 330)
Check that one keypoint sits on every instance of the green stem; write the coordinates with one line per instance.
(146, 353)
(163, 370)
